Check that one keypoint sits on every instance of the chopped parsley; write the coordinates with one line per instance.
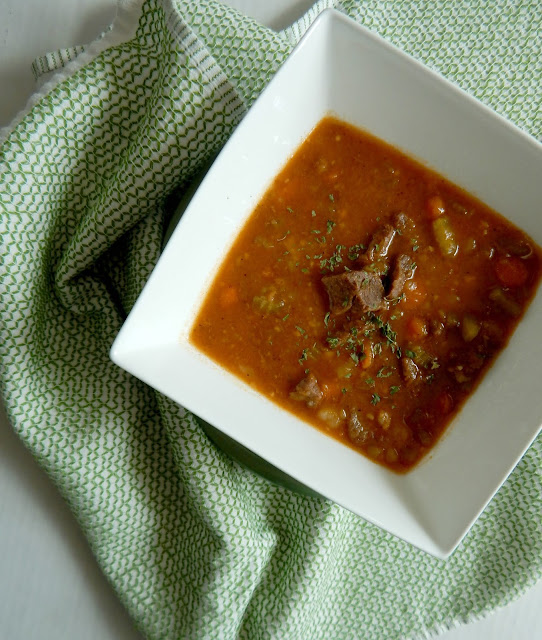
(375, 398)
(386, 331)
(354, 251)
(334, 260)
(332, 197)
(289, 209)
(330, 225)
(351, 344)
(385, 372)
(303, 356)
(326, 318)
(332, 342)
(410, 354)
(369, 381)
(286, 317)
(394, 390)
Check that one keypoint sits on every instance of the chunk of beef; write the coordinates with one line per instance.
(514, 246)
(410, 371)
(379, 245)
(362, 289)
(402, 271)
(370, 296)
(403, 223)
(357, 434)
(341, 289)
(308, 391)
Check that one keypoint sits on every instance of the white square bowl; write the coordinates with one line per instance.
(343, 69)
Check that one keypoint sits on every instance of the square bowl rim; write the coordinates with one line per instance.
(118, 350)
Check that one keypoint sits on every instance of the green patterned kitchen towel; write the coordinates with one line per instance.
(196, 546)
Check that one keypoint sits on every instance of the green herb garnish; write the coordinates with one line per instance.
(385, 330)
(355, 251)
(385, 372)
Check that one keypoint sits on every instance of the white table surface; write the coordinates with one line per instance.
(50, 585)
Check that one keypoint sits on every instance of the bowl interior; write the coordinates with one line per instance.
(353, 74)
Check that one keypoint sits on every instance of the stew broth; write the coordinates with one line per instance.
(367, 295)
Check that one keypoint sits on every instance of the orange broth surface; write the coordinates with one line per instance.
(367, 295)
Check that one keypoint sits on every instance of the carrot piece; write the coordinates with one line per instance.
(368, 360)
(435, 207)
(228, 296)
(511, 271)
(416, 328)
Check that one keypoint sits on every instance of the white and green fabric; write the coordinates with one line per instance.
(195, 545)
